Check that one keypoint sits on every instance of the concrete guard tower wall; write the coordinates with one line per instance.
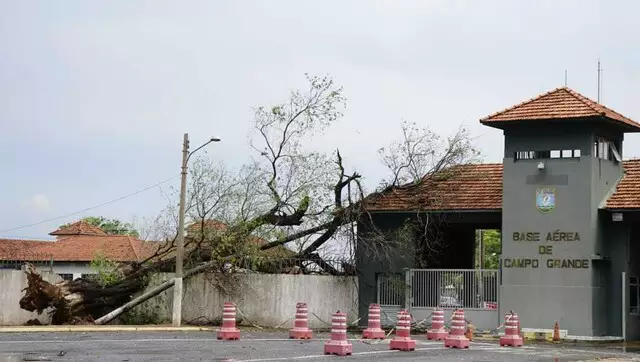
(556, 175)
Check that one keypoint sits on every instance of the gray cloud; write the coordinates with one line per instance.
(95, 96)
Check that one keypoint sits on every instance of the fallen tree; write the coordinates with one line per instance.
(283, 207)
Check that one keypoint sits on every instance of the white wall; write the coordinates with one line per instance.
(267, 300)
(11, 284)
(74, 268)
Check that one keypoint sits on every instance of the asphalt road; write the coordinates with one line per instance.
(258, 347)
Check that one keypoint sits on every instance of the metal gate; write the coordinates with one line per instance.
(391, 291)
(421, 290)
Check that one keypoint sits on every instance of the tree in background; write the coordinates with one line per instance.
(492, 249)
(110, 226)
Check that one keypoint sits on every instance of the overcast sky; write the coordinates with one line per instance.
(95, 95)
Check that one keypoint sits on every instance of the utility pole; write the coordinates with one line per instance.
(177, 287)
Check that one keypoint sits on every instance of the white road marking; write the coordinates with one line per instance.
(424, 343)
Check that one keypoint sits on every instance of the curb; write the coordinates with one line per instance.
(35, 329)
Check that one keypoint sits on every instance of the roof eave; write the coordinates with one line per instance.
(503, 124)
(443, 211)
(622, 209)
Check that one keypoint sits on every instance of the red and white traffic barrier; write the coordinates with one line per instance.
(374, 330)
(338, 344)
(437, 331)
(300, 328)
(402, 341)
(228, 330)
(511, 336)
(456, 338)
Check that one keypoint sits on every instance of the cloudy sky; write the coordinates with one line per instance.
(95, 95)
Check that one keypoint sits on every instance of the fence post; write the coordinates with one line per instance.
(408, 294)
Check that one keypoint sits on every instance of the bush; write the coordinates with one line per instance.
(108, 271)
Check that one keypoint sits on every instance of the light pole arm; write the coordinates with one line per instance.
(196, 150)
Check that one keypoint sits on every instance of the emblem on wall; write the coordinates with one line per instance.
(545, 199)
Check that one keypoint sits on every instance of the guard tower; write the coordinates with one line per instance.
(562, 161)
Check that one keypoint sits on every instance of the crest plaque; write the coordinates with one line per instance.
(545, 199)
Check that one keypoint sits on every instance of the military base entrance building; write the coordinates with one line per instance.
(568, 208)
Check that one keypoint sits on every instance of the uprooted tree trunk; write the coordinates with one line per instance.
(78, 301)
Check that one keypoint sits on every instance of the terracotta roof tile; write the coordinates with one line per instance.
(479, 187)
(208, 225)
(22, 250)
(560, 103)
(79, 228)
(627, 194)
(465, 187)
(122, 248)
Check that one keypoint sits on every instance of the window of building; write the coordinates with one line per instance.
(634, 295)
(66, 276)
(607, 150)
(525, 155)
(530, 155)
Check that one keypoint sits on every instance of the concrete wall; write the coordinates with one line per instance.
(11, 284)
(267, 300)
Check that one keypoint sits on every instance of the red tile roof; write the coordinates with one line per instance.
(208, 225)
(78, 228)
(627, 194)
(23, 250)
(84, 248)
(479, 187)
(560, 103)
(465, 187)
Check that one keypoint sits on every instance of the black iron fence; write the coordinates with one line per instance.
(295, 265)
(40, 261)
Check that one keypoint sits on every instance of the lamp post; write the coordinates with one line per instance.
(177, 287)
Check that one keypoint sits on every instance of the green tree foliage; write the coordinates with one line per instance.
(110, 226)
(492, 249)
(108, 272)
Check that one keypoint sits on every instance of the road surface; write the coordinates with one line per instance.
(263, 347)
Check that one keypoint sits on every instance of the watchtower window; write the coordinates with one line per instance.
(529, 155)
(606, 150)
(525, 155)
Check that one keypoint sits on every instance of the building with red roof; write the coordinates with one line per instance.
(567, 205)
(76, 245)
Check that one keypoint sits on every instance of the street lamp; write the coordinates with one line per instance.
(177, 286)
